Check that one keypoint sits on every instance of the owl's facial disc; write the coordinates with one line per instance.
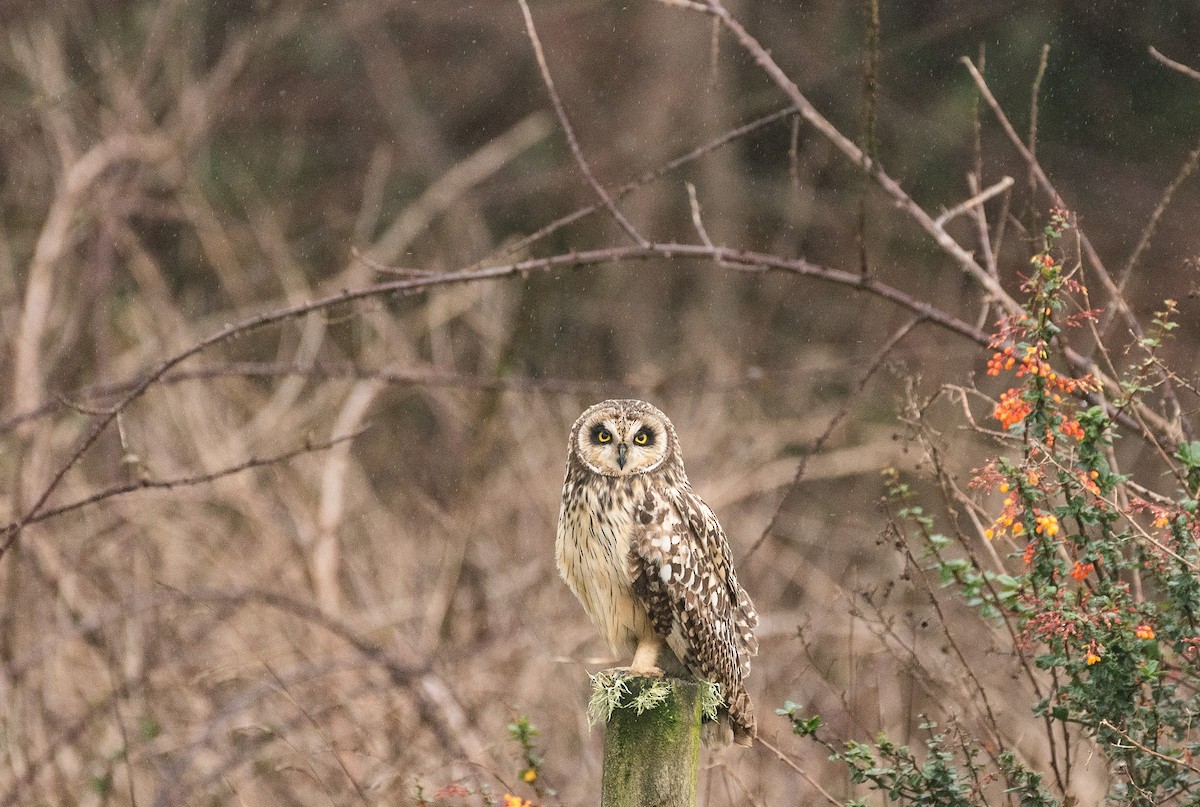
(616, 444)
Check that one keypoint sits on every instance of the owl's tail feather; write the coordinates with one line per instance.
(734, 724)
(741, 714)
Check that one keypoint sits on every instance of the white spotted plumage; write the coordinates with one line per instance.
(648, 559)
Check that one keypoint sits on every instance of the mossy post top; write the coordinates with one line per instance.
(652, 757)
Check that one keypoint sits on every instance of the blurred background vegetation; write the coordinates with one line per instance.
(354, 624)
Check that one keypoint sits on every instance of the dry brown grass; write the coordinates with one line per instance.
(364, 617)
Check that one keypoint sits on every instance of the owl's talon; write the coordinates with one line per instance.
(636, 672)
(648, 672)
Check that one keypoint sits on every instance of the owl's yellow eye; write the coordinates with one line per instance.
(641, 438)
(604, 436)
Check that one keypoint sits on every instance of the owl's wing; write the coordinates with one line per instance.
(682, 569)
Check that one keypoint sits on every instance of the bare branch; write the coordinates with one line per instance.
(983, 233)
(890, 186)
(1106, 280)
(650, 176)
(1135, 744)
(737, 259)
(697, 221)
(1190, 72)
(786, 760)
(178, 482)
(851, 397)
(570, 133)
(1189, 165)
(439, 196)
(975, 201)
(691, 5)
(54, 239)
(326, 551)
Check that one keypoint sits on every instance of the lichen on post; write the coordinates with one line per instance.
(651, 739)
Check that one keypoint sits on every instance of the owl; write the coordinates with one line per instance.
(648, 560)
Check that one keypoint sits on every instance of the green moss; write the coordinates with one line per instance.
(612, 690)
(652, 739)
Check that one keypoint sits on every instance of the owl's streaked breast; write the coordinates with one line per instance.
(595, 528)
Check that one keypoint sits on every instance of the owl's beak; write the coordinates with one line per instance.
(622, 450)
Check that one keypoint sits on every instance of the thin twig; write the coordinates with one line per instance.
(1189, 165)
(691, 5)
(992, 723)
(1190, 72)
(570, 133)
(786, 760)
(178, 482)
(851, 396)
(697, 221)
(1035, 91)
(976, 200)
(890, 186)
(1031, 160)
(714, 56)
(794, 156)
(1106, 280)
(975, 182)
(983, 233)
(650, 176)
(319, 727)
(1135, 744)
(739, 259)
(390, 375)
(870, 142)
(453, 184)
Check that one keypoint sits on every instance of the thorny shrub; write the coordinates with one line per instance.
(1099, 592)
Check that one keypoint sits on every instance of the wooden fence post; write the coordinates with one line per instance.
(652, 759)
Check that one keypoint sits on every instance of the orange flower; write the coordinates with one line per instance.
(1047, 525)
(529, 775)
(1080, 571)
(1091, 658)
(1144, 631)
(1027, 555)
(1011, 410)
(1162, 520)
(1001, 360)
(516, 801)
(1071, 428)
(1032, 365)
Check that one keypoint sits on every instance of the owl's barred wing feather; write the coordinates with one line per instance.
(703, 522)
(681, 568)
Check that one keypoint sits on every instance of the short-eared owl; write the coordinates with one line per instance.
(648, 559)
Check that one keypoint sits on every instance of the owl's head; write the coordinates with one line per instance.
(623, 438)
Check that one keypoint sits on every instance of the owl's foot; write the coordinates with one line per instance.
(637, 672)
(645, 658)
(648, 672)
